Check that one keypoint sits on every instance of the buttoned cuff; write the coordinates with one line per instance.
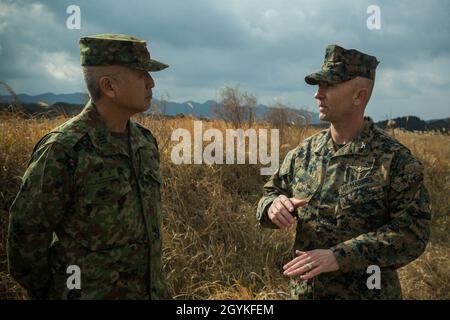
(262, 216)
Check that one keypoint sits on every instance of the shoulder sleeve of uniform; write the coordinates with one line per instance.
(301, 153)
(279, 183)
(287, 165)
(46, 139)
(36, 211)
(407, 170)
(47, 164)
(68, 134)
(61, 141)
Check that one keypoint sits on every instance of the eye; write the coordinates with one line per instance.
(326, 85)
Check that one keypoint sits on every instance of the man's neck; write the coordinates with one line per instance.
(115, 118)
(342, 133)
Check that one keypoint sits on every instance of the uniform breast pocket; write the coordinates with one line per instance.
(103, 205)
(151, 181)
(360, 169)
(152, 176)
(359, 192)
(361, 206)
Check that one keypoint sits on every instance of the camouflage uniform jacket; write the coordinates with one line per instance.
(367, 203)
(84, 201)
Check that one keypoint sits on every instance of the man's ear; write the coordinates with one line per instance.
(107, 87)
(360, 96)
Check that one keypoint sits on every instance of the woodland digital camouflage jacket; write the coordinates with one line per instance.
(84, 202)
(367, 203)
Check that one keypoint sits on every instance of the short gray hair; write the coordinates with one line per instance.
(92, 75)
(91, 78)
(365, 83)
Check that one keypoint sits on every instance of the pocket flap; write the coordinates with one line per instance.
(153, 174)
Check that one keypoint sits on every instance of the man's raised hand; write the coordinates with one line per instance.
(282, 209)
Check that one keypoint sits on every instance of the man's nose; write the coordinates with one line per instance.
(150, 83)
(320, 93)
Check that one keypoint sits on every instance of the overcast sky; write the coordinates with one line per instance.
(264, 46)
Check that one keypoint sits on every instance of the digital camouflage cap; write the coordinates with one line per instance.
(117, 49)
(341, 65)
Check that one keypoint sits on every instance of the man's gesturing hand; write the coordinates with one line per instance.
(280, 212)
(311, 263)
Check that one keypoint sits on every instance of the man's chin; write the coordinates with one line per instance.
(147, 106)
(323, 117)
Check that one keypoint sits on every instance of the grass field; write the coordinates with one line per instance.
(213, 247)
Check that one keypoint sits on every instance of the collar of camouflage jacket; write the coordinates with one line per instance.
(101, 136)
(359, 145)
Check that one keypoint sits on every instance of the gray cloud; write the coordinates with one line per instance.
(265, 46)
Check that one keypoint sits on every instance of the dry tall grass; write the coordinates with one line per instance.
(213, 248)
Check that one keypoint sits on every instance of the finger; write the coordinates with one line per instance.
(313, 273)
(298, 202)
(283, 220)
(301, 255)
(278, 223)
(301, 259)
(311, 253)
(293, 268)
(284, 211)
(301, 269)
(296, 263)
(287, 204)
(275, 219)
(272, 213)
(288, 217)
(290, 263)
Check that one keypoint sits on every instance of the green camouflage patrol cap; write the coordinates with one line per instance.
(117, 49)
(341, 65)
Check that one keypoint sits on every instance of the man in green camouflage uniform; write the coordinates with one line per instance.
(356, 194)
(91, 194)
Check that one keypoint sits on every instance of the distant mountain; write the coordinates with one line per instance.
(49, 98)
(413, 123)
(206, 109)
(72, 103)
(439, 124)
(193, 108)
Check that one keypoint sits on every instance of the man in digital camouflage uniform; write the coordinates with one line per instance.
(91, 194)
(357, 194)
